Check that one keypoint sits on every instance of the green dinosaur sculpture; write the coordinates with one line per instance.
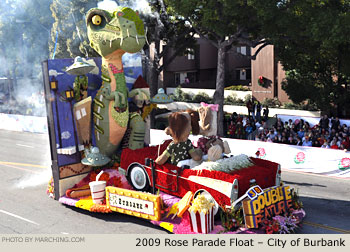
(111, 34)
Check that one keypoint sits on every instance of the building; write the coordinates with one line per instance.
(198, 68)
(273, 74)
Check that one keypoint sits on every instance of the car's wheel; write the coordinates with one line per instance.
(138, 178)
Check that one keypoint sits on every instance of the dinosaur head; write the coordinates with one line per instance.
(121, 30)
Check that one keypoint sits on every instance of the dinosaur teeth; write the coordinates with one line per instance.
(127, 30)
(121, 41)
(110, 43)
(137, 40)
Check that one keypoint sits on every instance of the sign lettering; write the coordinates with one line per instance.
(271, 202)
(134, 203)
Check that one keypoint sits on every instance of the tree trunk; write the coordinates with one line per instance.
(220, 86)
(154, 76)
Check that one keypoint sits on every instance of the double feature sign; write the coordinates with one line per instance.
(265, 204)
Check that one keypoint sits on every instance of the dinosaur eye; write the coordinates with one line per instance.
(96, 20)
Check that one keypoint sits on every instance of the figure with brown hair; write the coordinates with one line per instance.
(181, 147)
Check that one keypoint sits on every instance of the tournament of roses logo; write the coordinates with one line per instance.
(262, 152)
(299, 158)
(344, 164)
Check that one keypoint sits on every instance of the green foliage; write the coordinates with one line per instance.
(202, 97)
(274, 102)
(231, 218)
(238, 88)
(247, 98)
(70, 24)
(233, 100)
(311, 41)
(301, 106)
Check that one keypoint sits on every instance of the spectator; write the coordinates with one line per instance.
(266, 113)
(325, 145)
(307, 141)
(248, 128)
(335, 123)
(249, 106)
(299, 141)
(324, 122)
(232, 129)
(333, 144)
(258, 111)
(301, 133)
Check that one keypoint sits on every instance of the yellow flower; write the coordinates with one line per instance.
(85, 203)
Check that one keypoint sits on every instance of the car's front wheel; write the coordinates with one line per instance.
(138, 178)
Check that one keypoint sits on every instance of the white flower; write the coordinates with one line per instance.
(227, 165)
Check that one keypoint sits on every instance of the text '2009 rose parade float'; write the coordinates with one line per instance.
(102, 160)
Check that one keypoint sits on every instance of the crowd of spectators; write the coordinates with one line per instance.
(241, 127)
(328, 133)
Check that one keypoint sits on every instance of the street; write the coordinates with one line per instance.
(25, 207)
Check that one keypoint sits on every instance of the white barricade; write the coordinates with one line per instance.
(14, 122)
(335, 163)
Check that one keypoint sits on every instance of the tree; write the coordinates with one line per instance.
(70, 28)
(311, 39)
(168, 29)
(24, 34)
(223, 23)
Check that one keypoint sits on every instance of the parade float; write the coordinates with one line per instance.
(102, 160)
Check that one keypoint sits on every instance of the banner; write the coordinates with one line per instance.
(329, 162)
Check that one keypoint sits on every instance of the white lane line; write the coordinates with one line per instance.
(23, 145)
(18, 217)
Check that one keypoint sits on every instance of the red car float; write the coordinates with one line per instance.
(221, 187)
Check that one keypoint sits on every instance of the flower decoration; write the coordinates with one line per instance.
(261, 152)
(261, 81)
(50, 188)
(227, 165)
(299, 158)
(231, 219)
(344, 164)
(104, 176)
(115, 181)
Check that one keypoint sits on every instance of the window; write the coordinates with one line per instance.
(243, 74)
(242, 50)
(185, 78)
(190, 53)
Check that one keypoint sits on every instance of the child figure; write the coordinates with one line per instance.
(181, 147)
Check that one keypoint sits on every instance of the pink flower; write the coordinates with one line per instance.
(345, 162)
(300, 156)
(262, 152)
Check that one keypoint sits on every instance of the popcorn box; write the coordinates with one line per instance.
(202, 222)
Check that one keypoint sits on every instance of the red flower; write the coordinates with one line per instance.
(269, 230)
(275, 227)
(261, 80)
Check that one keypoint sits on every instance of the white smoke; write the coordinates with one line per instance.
(34, 180)
(137, 5)
(108, 5)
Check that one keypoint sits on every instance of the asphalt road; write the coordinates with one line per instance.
(25, 207)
